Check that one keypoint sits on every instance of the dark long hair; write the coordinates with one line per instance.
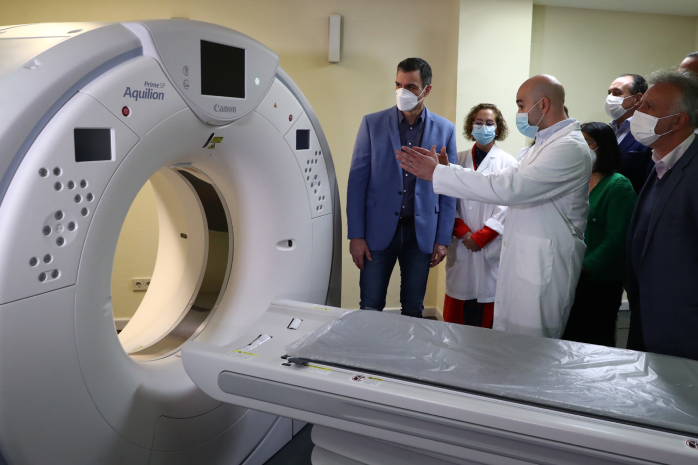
(608, 153)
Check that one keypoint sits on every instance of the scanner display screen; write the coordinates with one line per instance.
(92, 144)
(222, 70)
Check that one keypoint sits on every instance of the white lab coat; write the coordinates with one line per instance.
(473, 275)
(543, 246)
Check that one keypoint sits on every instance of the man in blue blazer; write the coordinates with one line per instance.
(662, 246)
(391, 215)
(624, 98)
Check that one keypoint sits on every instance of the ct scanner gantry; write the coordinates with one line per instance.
(248, 212)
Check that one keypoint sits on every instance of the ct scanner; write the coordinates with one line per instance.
(89, 112)
(239, 339)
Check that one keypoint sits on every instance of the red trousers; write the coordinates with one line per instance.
(469, 312)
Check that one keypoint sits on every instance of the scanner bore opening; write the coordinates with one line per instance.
(206, 273)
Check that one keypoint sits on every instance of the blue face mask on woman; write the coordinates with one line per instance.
(522, 123)
(484, 134)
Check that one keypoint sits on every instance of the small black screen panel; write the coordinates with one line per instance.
(222, 70)
(302, 139)
(92, 144)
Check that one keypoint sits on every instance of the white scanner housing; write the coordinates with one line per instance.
(247, 209)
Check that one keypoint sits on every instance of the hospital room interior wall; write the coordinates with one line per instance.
(587, 49)
(494, 46)
(376, 36)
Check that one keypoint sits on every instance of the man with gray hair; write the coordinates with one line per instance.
(662, 247)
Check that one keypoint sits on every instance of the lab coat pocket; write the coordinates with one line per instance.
(534, 259)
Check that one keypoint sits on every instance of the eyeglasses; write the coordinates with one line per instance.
(479, 123)
(591, 142)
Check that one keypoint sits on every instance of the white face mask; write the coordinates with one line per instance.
(406, 100)
(642, 127)
(614, 106)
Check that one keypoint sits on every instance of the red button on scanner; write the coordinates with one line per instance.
(125, 111)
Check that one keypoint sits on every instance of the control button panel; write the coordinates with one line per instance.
(306, 147)
(47, 210)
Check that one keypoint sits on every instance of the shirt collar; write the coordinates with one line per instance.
(545, 134)
(623, 126)
(422, 116)
(672, 157)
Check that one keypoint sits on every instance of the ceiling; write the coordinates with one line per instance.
(667, 7)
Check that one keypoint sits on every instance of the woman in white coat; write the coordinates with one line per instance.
(472, 262)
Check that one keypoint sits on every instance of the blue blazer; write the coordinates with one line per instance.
(374, 193)
(635, 161)
(663, 272)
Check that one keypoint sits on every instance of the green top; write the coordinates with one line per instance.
(611, 205)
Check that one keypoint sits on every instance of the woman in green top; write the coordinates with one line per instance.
(611, 203)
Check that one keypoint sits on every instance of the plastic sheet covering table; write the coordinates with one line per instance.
(655, 391)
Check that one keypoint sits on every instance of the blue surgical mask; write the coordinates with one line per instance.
(484, 134)
(522, 123)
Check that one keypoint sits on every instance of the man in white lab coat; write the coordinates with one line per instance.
(548, 195)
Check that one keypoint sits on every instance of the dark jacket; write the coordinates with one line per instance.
(635, 161)
(663, 272)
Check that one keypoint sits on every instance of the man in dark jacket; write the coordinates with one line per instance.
(624, 98)
(662, 247)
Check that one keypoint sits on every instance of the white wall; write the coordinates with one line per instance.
(494, 47)
(587, 49)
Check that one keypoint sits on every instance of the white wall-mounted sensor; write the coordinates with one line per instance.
(335, 38)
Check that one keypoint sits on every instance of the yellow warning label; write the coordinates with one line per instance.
(275, 106)
(322, 308)
(246, 353)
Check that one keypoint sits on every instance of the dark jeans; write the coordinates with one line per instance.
(414, 267)
(594, 313)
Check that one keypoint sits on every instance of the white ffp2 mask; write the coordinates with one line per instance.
(406, 100)
(642, 127)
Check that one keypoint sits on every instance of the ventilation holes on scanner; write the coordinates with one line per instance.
(55, 274)
(59, 215)
(58, 186)
(71, 185)
(33, 261)
(84, 212)
(60, 241)
(48, 258)
(43, 172)
(57, 171)
(47, 230)
(42, 277)
(83, 183)
(78, 198)
(71, 226)
(90, 197)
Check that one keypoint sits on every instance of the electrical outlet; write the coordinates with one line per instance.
(140, 284)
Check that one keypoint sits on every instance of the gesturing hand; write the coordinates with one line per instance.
(421, 162)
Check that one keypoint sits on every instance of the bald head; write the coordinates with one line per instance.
(547, 94)
(690, 63)
(544, 85)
